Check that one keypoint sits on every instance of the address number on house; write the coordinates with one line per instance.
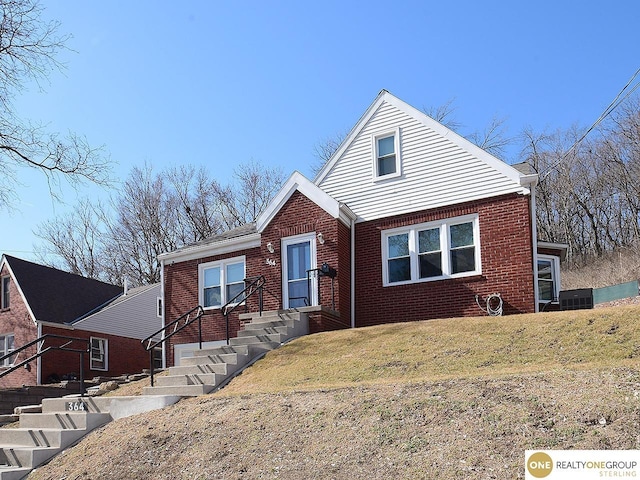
(76, 407)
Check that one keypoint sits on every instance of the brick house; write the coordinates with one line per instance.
(416, 222)
(36, 300)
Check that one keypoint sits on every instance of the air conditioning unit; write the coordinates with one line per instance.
(578, 299)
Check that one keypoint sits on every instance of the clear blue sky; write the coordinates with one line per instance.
(220, 83)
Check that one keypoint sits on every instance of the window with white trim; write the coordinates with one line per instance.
(99, 354)
(431, 251)
(386, 155)
(159, 307)
(4, 292)
(221, 281)
(548, 275)
(7, 345)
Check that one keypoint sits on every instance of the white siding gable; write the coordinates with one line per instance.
(438, 167)
(134, 315)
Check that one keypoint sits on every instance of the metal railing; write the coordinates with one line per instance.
(182, 322)
(253, 285)
(40, 352)
(256, 284)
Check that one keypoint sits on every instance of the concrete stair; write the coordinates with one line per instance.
(43, 435)
(211, 368)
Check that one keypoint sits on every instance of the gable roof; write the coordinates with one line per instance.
(52, 295)
(385, 96)
(438, 166)
(298, 182)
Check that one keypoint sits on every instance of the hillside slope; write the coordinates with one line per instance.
(408, 400)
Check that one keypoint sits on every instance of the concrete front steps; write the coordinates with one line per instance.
(61, 424)
(211, 368)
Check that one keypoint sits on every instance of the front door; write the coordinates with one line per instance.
(299, 257)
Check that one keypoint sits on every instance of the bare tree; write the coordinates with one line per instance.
(153, 213)
(28, 49)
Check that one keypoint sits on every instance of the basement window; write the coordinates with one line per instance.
(99, 354)
(7, 345)
(431, 251)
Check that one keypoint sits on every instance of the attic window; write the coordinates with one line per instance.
(4, 293)
(386, 153)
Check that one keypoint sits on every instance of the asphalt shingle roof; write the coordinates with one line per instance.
(56, 296)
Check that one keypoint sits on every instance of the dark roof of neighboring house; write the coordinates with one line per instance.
(56, 296)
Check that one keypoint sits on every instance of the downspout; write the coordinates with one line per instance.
(534, 241)
(39, 359)
(164, 356)
(353, 273)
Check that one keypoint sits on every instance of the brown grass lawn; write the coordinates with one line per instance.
(440, 399)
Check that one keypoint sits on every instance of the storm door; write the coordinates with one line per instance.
(299, 257)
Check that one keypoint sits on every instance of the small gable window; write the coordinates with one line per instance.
(4, 293)
(386, 148)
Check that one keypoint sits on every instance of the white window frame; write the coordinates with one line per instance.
(5, 295)
(222, 265)
(313, 279)
(159, 307)
(374, 147)
(555, 277)
(4, 348)
(445, 249)
(105, 353)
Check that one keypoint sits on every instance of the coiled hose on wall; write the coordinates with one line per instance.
(493, 305)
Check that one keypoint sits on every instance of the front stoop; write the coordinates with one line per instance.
(211, 368)
(43, 435)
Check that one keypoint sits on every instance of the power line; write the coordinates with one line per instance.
(607, 111)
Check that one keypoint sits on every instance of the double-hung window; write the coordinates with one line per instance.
(548, 274)
(4, 292)
(431, 251)
(7, 345)
(221, 282)
(386, 155)
(99, 354)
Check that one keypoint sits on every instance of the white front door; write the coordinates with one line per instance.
(298, 257)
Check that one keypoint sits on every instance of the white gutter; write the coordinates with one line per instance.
(353, 273)
(164, 353)
(534, 241)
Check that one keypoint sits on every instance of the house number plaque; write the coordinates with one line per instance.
(76, 407)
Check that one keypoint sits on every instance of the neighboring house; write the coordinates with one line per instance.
(417, 222)
(38, 300)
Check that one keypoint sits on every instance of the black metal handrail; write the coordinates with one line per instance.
(41, 352)
(256, 285)
(178, 324)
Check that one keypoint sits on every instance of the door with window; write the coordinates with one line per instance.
(299, 257)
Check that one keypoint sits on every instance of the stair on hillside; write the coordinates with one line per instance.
(211, 368)
(62, 423)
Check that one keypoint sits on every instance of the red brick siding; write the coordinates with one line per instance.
(16, 320)
(125, 356)
(181, 295)
(300, 215)
(505, 239)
